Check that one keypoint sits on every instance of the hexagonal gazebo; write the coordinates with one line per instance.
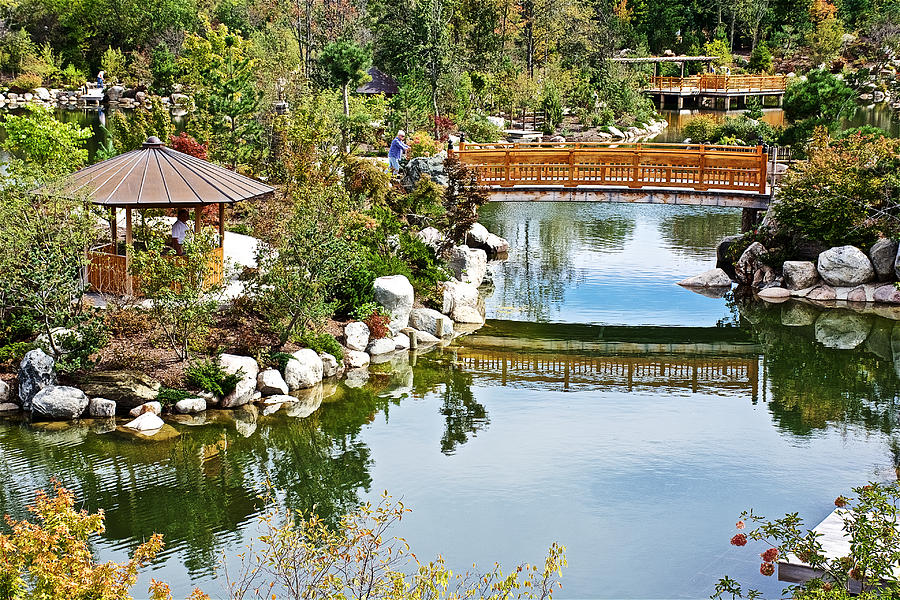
(153, 176)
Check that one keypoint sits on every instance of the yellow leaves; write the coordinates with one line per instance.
(623, 11)
(822, 10)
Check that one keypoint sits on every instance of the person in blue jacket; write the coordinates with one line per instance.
(398, 148)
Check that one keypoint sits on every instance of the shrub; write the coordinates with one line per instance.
(422, 144)
(169, 396)
(377, 322)
(760, 59)
(12, 354)
(26, 82)
(322, 342)
(87, 338)
(188, 145)
(17, 326)
(478, 128)
(72, 77)
(278, 360)
(700, 129)
(209, 376)
(442, 126)
(552, 105)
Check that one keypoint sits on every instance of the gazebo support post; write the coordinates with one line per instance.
(129, 250)
(221, 224)
(113, 230)
(197, 212)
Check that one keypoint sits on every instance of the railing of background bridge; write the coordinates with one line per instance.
(690, 166)
(710, 82)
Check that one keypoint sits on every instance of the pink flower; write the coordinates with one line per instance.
(769, 555)
(767, 569)
(739, 525)
(739, 540)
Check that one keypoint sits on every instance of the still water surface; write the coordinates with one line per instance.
(602, 406)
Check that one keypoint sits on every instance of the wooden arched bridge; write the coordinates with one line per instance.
(696, 174)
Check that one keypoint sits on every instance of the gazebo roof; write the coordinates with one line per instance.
(155, 176)
(380, 83)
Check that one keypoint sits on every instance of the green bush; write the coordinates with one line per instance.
(26, 81)
(478, 129)
(17, 327)
(208, 375)
(169, 396)
(86, 339)
(321, 342)
(760, 59)
(700, 129)
(12, 354)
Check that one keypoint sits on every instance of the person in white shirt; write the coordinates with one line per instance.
(180, 230)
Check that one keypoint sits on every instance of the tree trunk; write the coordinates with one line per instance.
(347, 99)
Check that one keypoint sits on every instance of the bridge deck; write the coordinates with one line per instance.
(645, 195)
(710, 84)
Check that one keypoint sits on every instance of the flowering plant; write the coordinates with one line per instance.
(870, 521)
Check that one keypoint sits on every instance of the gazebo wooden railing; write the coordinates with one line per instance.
(693, 166)
(711, 82)
(108, 271)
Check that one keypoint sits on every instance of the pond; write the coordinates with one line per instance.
(601, 406)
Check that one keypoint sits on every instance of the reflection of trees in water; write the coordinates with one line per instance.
(464, 416)
(200, 488)
(696, 234)
(545, 238)
(813, 387)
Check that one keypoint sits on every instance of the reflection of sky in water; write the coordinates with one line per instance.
(606, 263)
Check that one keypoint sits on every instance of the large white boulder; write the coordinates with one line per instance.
(36, 372)
(356, 336)
(154, 407)
(431, 321)
(4, 392)
(356, 359)
(381, 346)
(304, 370)
(271, 383)
(468, 264)
(799, 274)
(462, 302)
(477, 236)
(431, 237)
(845, 266)
(245, 388)
(714, 278)
(190, 406)
(395, 293)
(146, 423)
(59, 402)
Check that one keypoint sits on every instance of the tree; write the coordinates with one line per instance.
(346, 64)
(51, 557)
(227, 99)
(821, 97)
(43, 143)
(761, 59)
(130, 130)
(42, 255)
(183, 290)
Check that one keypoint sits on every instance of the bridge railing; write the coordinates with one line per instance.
(690, 166)
(711, 82)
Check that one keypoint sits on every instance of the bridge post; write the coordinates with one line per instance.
(763, 168)
(749, 219)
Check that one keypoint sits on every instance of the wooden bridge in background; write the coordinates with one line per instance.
(715, 86)
(695, 174)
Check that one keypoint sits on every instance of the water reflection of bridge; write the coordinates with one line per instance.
(689, 360)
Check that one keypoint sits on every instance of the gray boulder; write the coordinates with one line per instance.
(63, 339)
(416, 168)
(42, 93)
(468, 264)
(381, 346)
(747, 265)
(330, 365)
(431, 321)
(35, 373)
(356, 359)
(9, 407)
(271, 383)
(431, 237)
(845, 266)
(246, 386)
(887, 294)
(883, 255)
(356, 336)
(126, 388)
(190, 406)
(114, 93)
(822, 293)
(799, 274)
(462, 302)
(395, 293)
(304, 370)
(842, 330)
(714, 278)
(101, 408)
(4, 392)
(774, 294)
(59, 402)
(496, 246)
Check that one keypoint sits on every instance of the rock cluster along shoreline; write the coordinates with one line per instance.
(116, 95)
(844, 274)
(106, 395)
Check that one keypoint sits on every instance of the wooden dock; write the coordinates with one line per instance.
(716, 87)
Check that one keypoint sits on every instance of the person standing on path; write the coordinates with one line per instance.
(100, 76)
(396, 152)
